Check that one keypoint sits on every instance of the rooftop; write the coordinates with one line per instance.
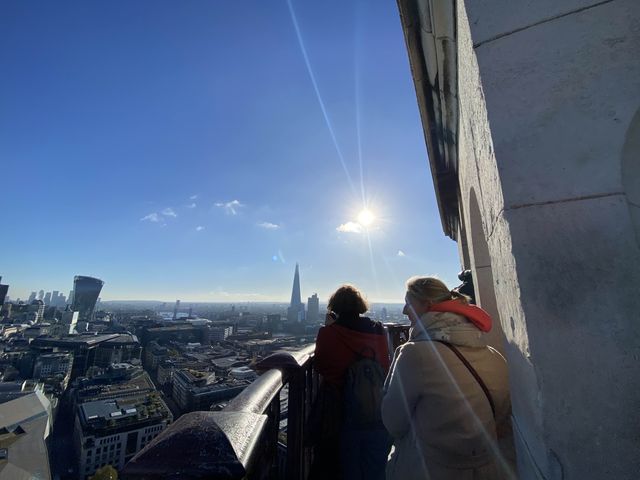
(24, 427)
(121, 413)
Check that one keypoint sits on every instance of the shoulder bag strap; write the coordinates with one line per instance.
(473, 372)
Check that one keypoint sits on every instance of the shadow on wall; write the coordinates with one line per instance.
(482, 272)
(631, 171)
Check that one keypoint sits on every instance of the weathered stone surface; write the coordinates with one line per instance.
(286, 360)
(257, 396)
(578, 270)
(200, 445)
(559, 99)
(499, 17)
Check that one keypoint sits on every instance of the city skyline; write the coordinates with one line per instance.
(60, 300)
(174, 174)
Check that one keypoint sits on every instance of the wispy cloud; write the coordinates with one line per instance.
(222, 294)
(152, 217)
(192, 205)
(401, 253)
(169, 212)
(230, 208)
(193, 197)
(199, 228)
(350, 227)
(269, 225)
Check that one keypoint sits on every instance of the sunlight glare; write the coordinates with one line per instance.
(366, 218)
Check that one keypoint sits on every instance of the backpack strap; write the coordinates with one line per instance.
(473, 372)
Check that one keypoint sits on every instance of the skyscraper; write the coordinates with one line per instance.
(32, 297)
(175, 309)
(70, 298)
(40, 295)
(86, 291)
(295, 312)
(47, 299)
(4, 289)
(313, 309)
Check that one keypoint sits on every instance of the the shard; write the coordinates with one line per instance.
(295, 312)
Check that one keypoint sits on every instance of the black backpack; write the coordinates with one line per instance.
(364, 382)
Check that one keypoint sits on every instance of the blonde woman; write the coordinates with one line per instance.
(447, 392)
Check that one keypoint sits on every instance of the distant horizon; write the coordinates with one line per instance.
(228, 298)
(186, 304)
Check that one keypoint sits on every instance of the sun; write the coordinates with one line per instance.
(366, 218)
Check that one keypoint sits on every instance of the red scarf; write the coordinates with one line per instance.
(474, 314)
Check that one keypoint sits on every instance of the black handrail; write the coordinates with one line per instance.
(241, 440)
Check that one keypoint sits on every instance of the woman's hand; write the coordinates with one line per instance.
(330, 318)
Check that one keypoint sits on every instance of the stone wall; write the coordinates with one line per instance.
(548, 91)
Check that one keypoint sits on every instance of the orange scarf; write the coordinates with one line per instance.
(474, 314)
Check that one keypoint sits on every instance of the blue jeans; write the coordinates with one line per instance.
(363, 453)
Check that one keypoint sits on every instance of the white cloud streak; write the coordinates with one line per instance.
(192, 205)
(269, 226)
(401, 253)
(193, 197)
(230, 208)
(199, 228)
(152, 217)
(169, 212)
(350, 227)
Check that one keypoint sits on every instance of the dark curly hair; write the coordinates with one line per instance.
(348, 300)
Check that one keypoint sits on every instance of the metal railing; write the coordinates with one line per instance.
(244, 441)
(241, 441)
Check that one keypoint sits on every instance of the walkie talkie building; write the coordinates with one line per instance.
(86, 292)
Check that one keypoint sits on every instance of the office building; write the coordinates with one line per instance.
(28, 313)
(93, 350)
(154, 354)
(183, 332)
(219, 333)
(86, 292)
(52, 364)
(70, 320)
(195, 390)
(313, 309)
(4, 289)
(175, 309)
(110, 431)
(274, 322)
(55, 298)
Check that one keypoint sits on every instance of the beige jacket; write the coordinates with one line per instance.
(437, 413)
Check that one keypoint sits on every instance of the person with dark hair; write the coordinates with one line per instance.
(466, 287)
(352, 357)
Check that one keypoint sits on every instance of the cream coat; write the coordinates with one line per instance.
(437, 413)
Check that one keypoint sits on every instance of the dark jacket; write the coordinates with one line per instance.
(342, 453)
(339, 344)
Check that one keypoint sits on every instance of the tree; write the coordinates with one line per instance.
(105, 473)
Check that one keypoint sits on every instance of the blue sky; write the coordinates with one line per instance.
(180, 150)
